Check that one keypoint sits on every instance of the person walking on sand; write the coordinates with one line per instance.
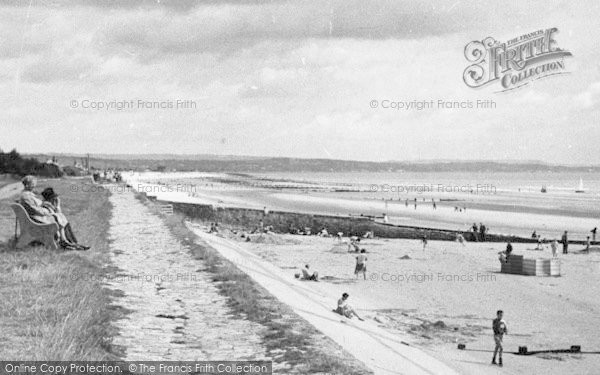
(344, 309)
(475, 230)
(587, 244)
(565, 242)
(554, 247)
(361, 264)
(500, 329)
(593, 231)
(424, 240)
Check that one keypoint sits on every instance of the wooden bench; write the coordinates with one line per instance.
(31, 231)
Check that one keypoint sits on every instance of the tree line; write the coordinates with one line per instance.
(15, 164)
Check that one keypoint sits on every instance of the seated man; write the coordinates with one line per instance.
(345, 309)
(504, 255)
(306, 275)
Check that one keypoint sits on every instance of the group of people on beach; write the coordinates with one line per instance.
(48, 210)
(564, 240)
(479, 233)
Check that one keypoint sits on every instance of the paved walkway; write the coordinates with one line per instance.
(176, 312)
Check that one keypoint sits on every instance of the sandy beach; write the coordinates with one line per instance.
(437, 298)
(448, 294)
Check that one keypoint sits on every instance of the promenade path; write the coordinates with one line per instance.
(175, 309)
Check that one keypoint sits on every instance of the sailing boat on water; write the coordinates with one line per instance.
(580, 188)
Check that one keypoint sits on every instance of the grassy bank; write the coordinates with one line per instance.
(289, 340)
(52, 304)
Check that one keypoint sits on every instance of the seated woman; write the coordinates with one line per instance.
(52, 204)
(504, 255)
(345, 309)
(43, 214)
(306, 275)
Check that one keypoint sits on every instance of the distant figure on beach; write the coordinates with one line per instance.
(534, 235)
(465, 208)
(353, 244)
(415, 203)
(504, 255)
(424, 241)
(482, 230)
(307, 275)
(265, 210)
(339, 236)
(385, 218)
(587, 244)
(500, 329)
(406, 202)
(361, 264)
(434, 205)
(344, 309)
(214, 228)
(565, 242)
(593, 231)
(539, 242)
(554, 247)
(455, 208)
(460, 238)
(323, 232)
(475, 230)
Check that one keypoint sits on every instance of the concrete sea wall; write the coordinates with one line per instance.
(281, 221)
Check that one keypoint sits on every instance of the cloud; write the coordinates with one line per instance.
(590, 98)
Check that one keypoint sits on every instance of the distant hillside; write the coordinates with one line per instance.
(212, 163)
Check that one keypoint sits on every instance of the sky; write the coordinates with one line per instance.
(292, 79)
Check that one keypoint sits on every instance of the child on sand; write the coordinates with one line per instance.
(345, 309)
(361, 264)
(554, 247)
(499, 327)
(587, 244)
(353, 244)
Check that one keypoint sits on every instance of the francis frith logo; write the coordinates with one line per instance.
(516, 62)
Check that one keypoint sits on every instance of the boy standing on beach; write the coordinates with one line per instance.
(361, 264)
(499, 327)
(565, 243)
